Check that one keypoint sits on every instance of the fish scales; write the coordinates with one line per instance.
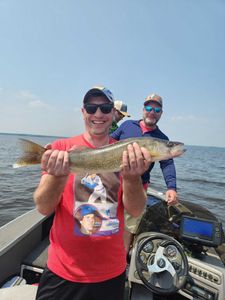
(104, 159)
(109, 158)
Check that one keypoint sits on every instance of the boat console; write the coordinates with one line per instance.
(201, 231)
(174, 254)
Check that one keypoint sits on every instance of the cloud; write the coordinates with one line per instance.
(22, 100)
(39, 104)
(24, 112)
(26, 94)
(184, 118)
(32, 100)
(188, 118)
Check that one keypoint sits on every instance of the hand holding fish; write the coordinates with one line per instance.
(55, 162)
(136, 161)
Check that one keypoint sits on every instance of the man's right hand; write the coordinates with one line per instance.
(55, 162)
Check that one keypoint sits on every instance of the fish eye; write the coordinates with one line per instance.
(170, 144)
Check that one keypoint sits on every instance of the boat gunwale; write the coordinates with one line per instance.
(18, 228)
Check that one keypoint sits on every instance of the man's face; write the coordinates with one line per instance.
(151, 117)
(99, 122)
(88, 222)
(118, 116)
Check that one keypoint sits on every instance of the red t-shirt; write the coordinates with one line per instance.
(86, 239)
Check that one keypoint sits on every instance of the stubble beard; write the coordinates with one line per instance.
(99, 132)
(150, 122)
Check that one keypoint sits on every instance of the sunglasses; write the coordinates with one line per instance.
(156, 110)
(105, 108)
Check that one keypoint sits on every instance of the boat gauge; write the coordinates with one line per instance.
(148, 248)
(176, 266)
(171, 251)
(143, 258)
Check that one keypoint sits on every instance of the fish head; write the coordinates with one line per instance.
(175, 148)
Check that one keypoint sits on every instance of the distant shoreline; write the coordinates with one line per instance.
(30, 134)
(59, 136)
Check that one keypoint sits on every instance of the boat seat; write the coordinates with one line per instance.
(20, 292)
(37, 258)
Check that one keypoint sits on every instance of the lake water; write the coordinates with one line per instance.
(200, 178)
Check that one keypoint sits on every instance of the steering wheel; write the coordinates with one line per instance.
(161, 264)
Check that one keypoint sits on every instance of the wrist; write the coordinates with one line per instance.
(57, 180)
(132, 180)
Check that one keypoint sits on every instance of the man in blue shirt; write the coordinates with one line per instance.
(152, 112)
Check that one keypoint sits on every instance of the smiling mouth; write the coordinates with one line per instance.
(98, 122)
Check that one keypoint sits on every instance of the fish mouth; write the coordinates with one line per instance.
(178, 149)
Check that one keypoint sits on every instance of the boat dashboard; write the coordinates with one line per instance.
(174, 254)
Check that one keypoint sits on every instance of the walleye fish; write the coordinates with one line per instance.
(104, 159)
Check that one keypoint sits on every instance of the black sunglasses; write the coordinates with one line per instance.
(105, 108)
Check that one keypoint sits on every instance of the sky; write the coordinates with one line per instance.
(53, 51)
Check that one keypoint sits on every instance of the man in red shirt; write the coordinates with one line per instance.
(89, 266)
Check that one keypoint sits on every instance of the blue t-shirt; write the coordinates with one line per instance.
(132, 128)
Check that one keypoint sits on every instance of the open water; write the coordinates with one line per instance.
(200, 178)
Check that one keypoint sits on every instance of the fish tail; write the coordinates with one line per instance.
(31, 154)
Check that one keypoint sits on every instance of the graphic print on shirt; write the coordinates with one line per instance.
(95, 204)
(93, 181)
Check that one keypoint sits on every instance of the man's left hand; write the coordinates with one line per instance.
(136, 161)
(171, 197)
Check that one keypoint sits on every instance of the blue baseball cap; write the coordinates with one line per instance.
(89, 209)
(99, 89)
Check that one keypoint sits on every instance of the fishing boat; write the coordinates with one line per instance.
(177, 253)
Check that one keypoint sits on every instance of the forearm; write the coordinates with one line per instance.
(169, 174)
(48, 193)
(134, 196)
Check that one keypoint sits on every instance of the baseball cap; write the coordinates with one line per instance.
(89, 209)
(154, 98)
(99, 89)
(121, 107)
